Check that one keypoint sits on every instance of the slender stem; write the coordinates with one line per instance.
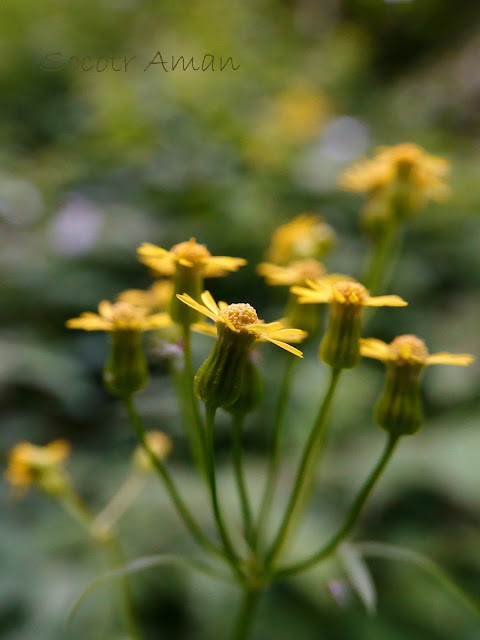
(194, 422)
(246, 615)
(237, 431)
(305, 470)
(221, 526)
(72, 502)
(119, 503)
(274, 461)
(184, 512)
(352, 516)
(383, 258)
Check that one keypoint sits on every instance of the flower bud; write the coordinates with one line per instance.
(218, 382)
(399, 408)
(126, 370)
(251, 390)
(187, 280)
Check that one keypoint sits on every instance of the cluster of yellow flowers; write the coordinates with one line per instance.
(397, 181)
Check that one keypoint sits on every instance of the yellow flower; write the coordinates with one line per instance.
(347, 293)
(409, 350)
(306, 236)
(399, 408)
(188, 254)
(157, 297)
(404, 176)
(28, 464)
(119, 316)
(159, 443)
(241, 318)
(297, 272)
(340, 347)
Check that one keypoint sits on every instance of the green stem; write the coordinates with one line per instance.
(352, 516)
(246, 615)
(194, 424)
(237, 431)
(383, 258)
(274, 461)
(305, 470)
(188, 519)
(221, 526)
(72, 502)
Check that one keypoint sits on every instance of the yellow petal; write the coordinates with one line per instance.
(148, 249)
(385, 301)
(157, 321)
(209, 302)
(290, 335)
(261, 327)
(161, 266)
(284, 345)
(307, 296)
(205, 328)
(460, 359)
(225, 262)
(373, 348)
(184, 262)
(188, 300)
(90, 323)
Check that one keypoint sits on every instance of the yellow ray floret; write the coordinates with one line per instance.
(26, 461)
(242, 317)
(346, 292)
(119, 316)
(408, 350)
(188, 254)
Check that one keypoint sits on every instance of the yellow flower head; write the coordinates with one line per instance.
(188, 254)
(159, 443)
(297, 272)
(157, 297)
(340, 347)
(306, 236)
(28, 463)
(119, 316)
(409, 350)
(241, 318)
(399, 408)
(404, 171)
(344, 293)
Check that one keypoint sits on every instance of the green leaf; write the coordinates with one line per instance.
(140, 564)
(359, 575)
(393, 552)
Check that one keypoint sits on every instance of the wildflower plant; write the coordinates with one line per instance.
(397, 182)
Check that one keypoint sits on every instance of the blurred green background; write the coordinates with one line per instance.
(92, 163)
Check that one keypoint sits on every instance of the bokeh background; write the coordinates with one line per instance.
(92, 163)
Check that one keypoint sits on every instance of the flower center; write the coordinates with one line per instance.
(408, 349)
(350, 293)
(241, 315)
(191, 251)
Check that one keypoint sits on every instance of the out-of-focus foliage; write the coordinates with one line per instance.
(92, 163)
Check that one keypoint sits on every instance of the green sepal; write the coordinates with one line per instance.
(126, 370)
(218, 382)
(399, 409)
(340, 347)
(251, 390)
